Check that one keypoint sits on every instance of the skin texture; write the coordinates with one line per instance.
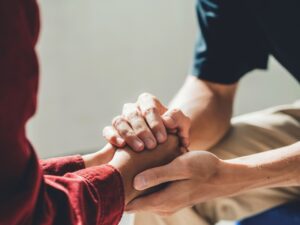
(209, 107)
(200, 114)
(145, 123)
(218, 178)
(129, 163)
(200, 176)
(100, 157)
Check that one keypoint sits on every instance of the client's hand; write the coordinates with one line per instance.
(100, 157)
(130, 163)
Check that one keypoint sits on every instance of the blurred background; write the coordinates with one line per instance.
(97, 55)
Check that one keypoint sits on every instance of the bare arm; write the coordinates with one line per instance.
(209, 106)
(129, 163)
(201, 177)
(276, 168)
(204, 106)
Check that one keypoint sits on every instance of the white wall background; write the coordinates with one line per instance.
(96, 55)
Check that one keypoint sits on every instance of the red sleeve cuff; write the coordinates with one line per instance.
(62, 165)
(108, 184)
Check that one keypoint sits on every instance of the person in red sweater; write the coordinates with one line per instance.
(92, 189)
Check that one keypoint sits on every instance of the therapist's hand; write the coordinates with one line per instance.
(145, 124)
(195, 177)
(130, 163)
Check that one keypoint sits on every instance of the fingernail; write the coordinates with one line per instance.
(138, 145)
(149, 143)
(119, 141)
(160, 137)
(140, 183)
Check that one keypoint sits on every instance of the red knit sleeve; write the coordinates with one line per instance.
(27, 195)
(62, 165)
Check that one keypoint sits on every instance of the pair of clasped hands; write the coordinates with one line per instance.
(148, 145)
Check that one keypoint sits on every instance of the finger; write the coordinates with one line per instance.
(152, 110)
(100, 157)
(167, 200)
(113, 137)
(126, 132)
(175, 119)
(139, 125)
(106, 154)
(158, 175)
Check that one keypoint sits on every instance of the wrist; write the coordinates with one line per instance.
(235, 177)
(124, 163)
(100, 157)
(90, 160)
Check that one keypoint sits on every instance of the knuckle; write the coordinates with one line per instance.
(141, 132)
(106, 128)
(117, 121)
(126, 133)
(106, 131)
(175, 111)
(155, 125)
(134, 115)
(177, 114)
(149, 111)
(127, 107)
(139, 127)
(144, 95)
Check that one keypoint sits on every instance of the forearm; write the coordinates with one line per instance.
(209, 107)
(275, 168)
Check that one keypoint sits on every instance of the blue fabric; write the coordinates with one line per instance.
(287, 214)
(236, 37)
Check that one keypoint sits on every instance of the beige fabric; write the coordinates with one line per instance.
(251, 133)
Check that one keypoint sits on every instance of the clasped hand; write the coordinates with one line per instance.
(192, 177)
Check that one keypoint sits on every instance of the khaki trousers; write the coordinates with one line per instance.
(251, 133)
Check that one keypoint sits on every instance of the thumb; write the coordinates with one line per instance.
(158, 175)
(175, 120)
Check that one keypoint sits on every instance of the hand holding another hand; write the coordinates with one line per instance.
(195, 177)
(129, 163)
(145, 124)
